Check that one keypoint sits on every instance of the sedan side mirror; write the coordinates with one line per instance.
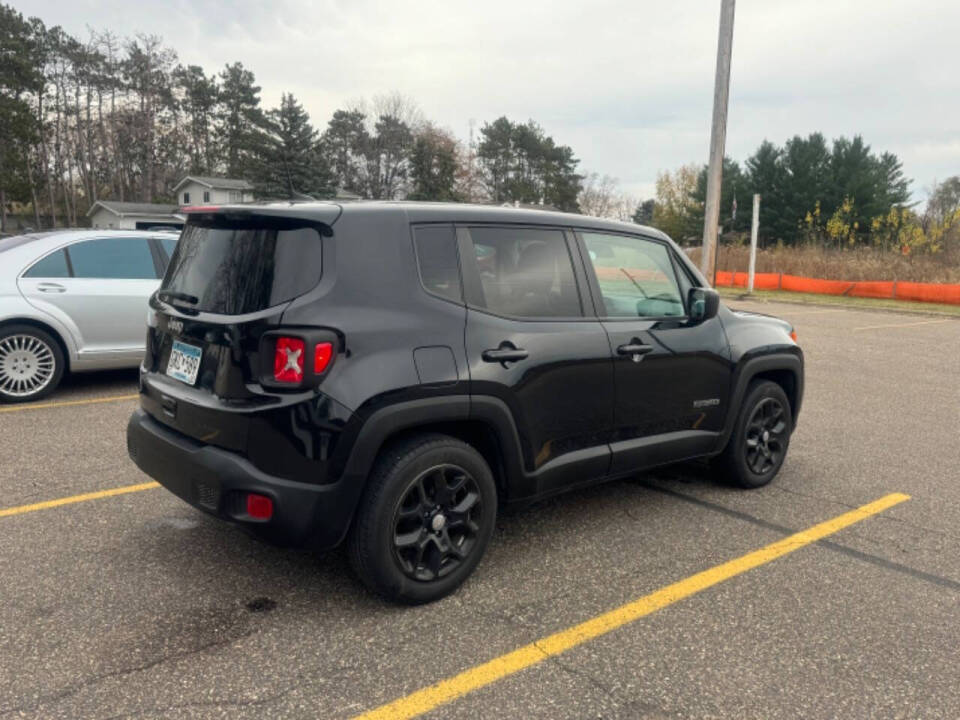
(703, 303)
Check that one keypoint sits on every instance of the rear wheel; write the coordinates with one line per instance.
(31, 363)
(758, 446)
(425, 519)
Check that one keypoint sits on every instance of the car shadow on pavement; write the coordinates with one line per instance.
(202, 554)
(101, 382)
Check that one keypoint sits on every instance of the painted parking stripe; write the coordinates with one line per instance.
(48, 504)
(66, 403)
(480, 676)
(902, 325)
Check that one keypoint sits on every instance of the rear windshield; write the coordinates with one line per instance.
(241, 269)
(12, 241)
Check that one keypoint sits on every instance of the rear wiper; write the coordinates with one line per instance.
(174, 295)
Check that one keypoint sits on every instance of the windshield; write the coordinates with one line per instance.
(239, 269)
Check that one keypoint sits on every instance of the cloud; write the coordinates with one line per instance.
(629, 85)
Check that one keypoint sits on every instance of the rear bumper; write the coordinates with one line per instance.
(216, 481)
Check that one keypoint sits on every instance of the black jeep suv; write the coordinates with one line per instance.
(391, 373)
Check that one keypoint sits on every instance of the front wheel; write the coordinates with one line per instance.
(425, 519)
(760, 439)
(31, 363)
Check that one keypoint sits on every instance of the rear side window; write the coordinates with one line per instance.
(524, 272)
(113, 258)
(436, 247)
(240, 269)
(53, 265)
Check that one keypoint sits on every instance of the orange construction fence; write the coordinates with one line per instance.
(895, 290)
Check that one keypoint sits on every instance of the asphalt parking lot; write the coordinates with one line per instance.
(135, 605)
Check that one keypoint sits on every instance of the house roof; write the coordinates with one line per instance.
(122, 209)
(218, 183)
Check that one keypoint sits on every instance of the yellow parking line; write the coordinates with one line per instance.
(899, 325)
(66, 403)
(47, 504)
(489, 672)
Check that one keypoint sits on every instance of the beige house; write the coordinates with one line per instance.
(110, 214)
(199, 190)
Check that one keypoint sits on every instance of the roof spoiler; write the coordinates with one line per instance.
(321, 213)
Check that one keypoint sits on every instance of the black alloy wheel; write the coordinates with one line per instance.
(425, 518)
(758, 446)
(765, 442)
(436, 523)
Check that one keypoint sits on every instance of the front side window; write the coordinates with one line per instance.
(636, 276)
(436, 247)
(53, 265)
(524, 272)
(116, 258)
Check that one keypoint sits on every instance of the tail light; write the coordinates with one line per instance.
(301, 357)
(793, 335)
(322, 355)
(288, 360)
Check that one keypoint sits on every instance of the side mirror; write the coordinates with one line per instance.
(703, 303)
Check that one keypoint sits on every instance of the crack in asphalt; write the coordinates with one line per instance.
(163, 710)
(123, 672)
(828, 544)
(594, 682)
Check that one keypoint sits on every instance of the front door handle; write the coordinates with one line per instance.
(635, 349)
(51, 287)
(504, 354)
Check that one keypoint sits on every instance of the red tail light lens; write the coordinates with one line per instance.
(288, 360)
(259, 506)
(322, 355)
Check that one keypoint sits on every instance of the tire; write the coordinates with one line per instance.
(413, 541)
(760, 439)
(31, 363)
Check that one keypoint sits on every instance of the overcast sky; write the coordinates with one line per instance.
(628, 85)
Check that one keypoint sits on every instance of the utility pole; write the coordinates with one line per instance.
(718, 136)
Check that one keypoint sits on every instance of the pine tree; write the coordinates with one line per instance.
(19, 72)
(434, 166)
(735, 186)
(520, 163)
(240, 120)
(289, 165)
(200, 96)
(344, 144)
(644, 212)
(765, 175)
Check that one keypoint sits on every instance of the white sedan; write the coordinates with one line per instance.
(74, 300)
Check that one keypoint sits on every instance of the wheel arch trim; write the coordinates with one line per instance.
(391, 421)
(749, 369)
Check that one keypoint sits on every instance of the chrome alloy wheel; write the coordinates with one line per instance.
(27, 365)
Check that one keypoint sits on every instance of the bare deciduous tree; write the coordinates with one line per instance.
(602, 196)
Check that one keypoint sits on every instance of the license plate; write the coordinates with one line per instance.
(184, 362)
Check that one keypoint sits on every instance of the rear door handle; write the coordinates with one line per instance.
(636, 349)
(51, 287)
(504, 354)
